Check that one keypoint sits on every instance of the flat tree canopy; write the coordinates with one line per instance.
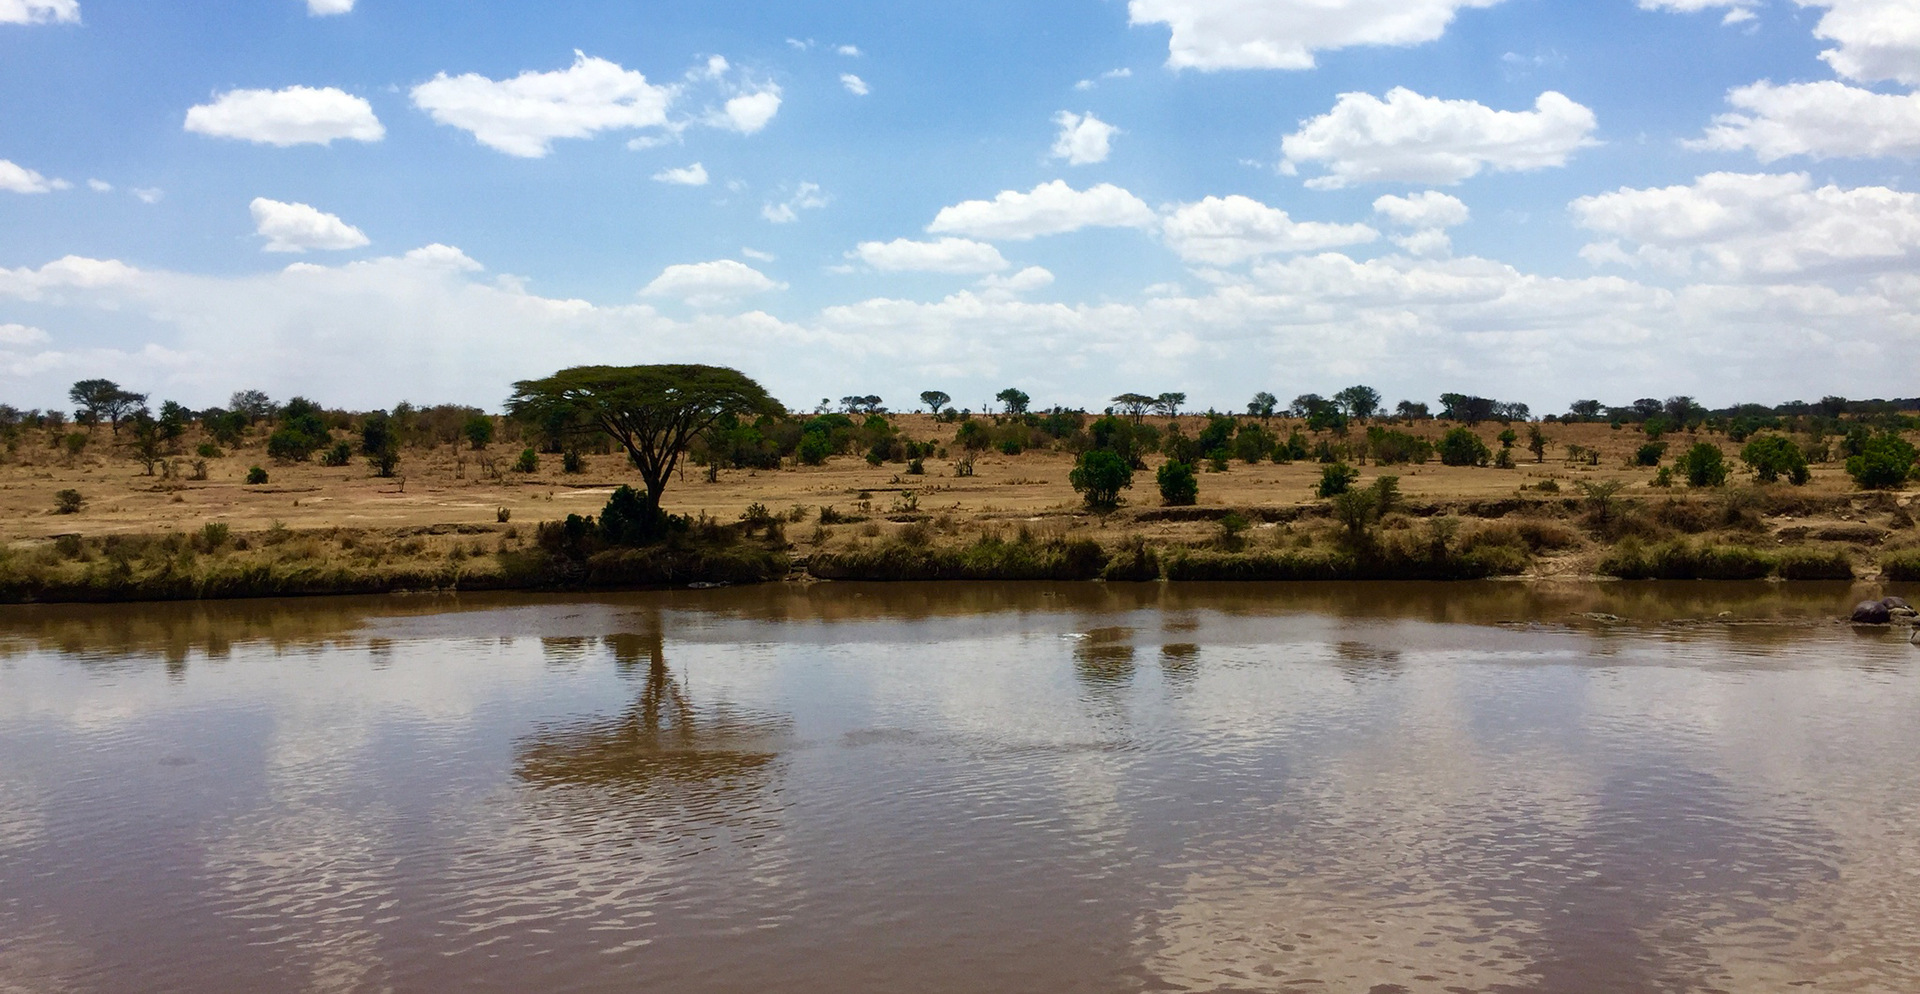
(652, 411)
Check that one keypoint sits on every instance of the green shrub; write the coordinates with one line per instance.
(208, 450)
(1883, 462)
(1253, 443)
(1650, 454)
(1903, 565)
(1704, 465)
(570, 462)
(986, 559)
(339, 455)
(256, 476)
(1099, 476)
(1010, 447)
(1682, 560)
(1391, 447)
(529, 462)
(68, 502)
(815, 447)
(1335, 480)
(1178, 486)
(1136, 562)
(380, 443)
(478, 430)
(1773, 456)
(973, 436)
(214, 535)
(1815, 564)
(1461, 447)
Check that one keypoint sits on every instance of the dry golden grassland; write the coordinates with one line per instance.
(450, 510)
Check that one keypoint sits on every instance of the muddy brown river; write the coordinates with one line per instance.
(1373, 788)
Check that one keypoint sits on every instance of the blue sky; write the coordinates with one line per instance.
(1537, 200)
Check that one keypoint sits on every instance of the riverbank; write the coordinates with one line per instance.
(1752, 533)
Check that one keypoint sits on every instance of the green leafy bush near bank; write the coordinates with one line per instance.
(1685, 560)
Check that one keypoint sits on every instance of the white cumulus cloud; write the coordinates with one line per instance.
(694, 175)
(19, 334)
(522, 116)
(1050, 209)
(1285, 34)
(298, 227)
(1025, 281)
(1084, 139)
(751, 112)
(1735, 226)
(806, 197)
(323, 8)
(1410, 326)
(297, 115)
(1412, 138)
(854, 84)
(1823, 120)
(1221, 231)
(709, 284)
(945, 255)
(1737, 11)
(1428, 209)
(19, 179)
(39, 11)
(1875, 39)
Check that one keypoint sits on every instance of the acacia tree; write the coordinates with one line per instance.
(1133, 405)
(104, 399)
(1263, 405)
(936, 400)
(1359, 402)
(652, 411)
(1169, 404)
(1015, 399)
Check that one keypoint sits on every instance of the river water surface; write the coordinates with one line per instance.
(979, 788)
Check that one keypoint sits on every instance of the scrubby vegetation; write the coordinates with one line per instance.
(1230, 501)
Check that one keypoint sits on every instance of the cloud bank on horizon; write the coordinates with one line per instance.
(1626, 198)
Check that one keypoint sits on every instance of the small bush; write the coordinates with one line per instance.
(1774, 456)
(256, 476)
(1011, 447)
(1335, 480)
(1461, 447)
(1884, 462)
(208, 450)
(570, 462)
(1682, 560)
(1815, 564)
(478, 430)
(1099, 476)
(1903, 565)
(339, 455)
(1650, 454)
(68, 502)
(1704, 465)
(214, 536)
(1136, 562)
(1547, 487)
(1178, 486)
(529, 462)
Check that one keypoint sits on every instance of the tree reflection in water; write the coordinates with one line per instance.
(662, 742)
